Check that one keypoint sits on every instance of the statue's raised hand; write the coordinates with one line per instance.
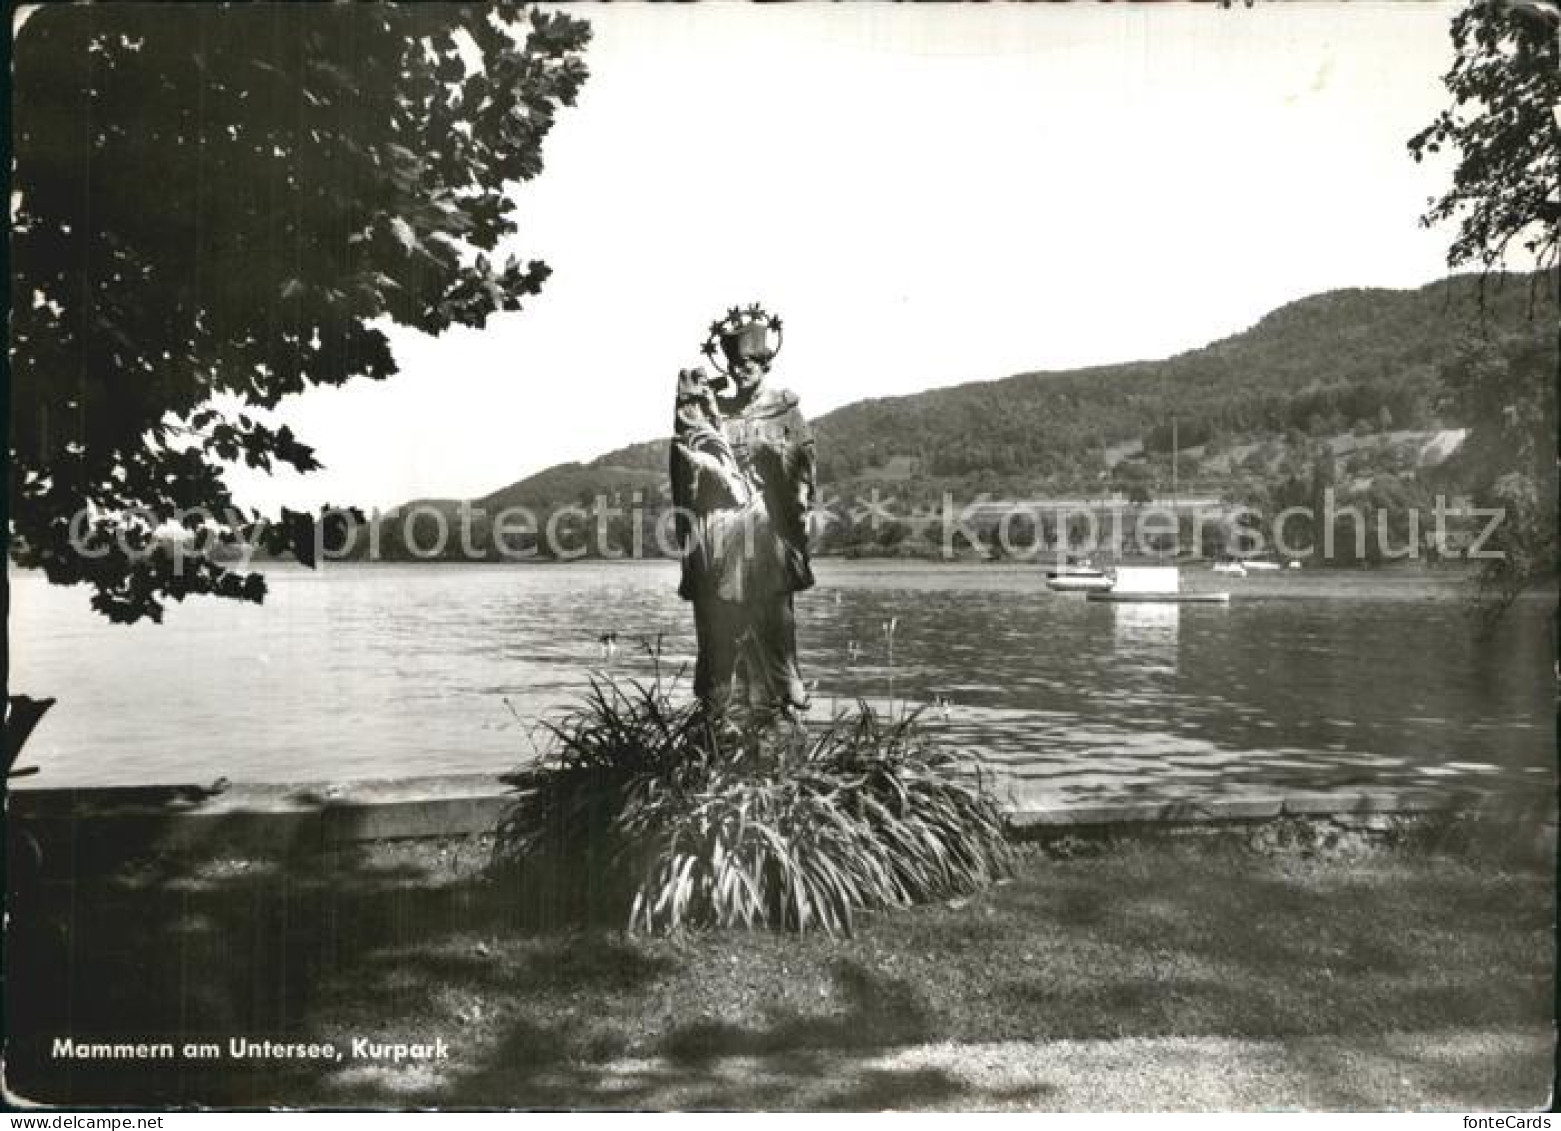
(714, 477)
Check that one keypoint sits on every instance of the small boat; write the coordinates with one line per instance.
(1080, 583)
(1235, 569)
(1075, 567)
(1259, 563)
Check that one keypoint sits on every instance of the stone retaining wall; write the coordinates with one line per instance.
(83, 830)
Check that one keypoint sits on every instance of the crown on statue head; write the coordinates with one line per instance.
(745, 334)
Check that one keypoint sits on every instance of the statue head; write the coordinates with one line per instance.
(747, 345)
(746, 340)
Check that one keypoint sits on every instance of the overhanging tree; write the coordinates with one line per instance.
(216, 207)
(1505, 83)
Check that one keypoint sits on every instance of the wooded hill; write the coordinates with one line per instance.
(1360, 363)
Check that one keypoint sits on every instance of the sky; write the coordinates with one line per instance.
(926, 195)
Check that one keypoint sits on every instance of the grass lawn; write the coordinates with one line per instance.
(1148, 973)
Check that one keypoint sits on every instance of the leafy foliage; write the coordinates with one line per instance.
(1508, 385)
(1505, 82)
(216, 207)
(646, 806)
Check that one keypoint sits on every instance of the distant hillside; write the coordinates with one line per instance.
(581, 482)
(1361, 361)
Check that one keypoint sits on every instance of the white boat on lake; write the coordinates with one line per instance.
(1095, 582)
(1154, 584)
(1077, 575)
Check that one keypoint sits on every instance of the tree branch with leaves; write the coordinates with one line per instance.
(1503, 128)
(1505, 83)
(217, 207)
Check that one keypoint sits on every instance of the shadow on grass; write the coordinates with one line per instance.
(246, 930)
(307, 948)
(877, 1012)
(1144, 942)
(789, 1058)
(1250, 947)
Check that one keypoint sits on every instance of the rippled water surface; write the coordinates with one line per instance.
(385, 671)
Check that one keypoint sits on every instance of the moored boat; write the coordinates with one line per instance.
(1075, 567)
(1154, 584)
(1080, 583)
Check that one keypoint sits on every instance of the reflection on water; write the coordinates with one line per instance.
(1146, 630)
(385, 671)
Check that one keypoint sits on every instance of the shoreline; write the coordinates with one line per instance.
(93, 827)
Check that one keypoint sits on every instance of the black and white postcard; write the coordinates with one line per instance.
(783, 557)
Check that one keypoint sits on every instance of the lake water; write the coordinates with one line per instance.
(399, 670)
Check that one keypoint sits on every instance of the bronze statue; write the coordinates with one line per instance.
(742, 483)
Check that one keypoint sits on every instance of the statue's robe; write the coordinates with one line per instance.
(742, 525)
(736, 549)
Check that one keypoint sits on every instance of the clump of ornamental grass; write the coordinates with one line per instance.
(648, 806)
